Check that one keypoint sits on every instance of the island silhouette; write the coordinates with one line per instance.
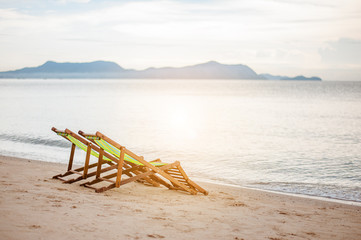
(107, 69)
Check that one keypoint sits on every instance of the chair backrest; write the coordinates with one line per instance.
(82, 145)
(113, 148)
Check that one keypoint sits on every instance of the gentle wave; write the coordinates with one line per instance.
(332, 191)
(34, 140)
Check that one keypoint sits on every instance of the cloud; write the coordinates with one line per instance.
(303, 2)
(345, 51)
(146, 33)
(74, 1)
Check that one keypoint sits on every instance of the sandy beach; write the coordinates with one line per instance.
(35, 206)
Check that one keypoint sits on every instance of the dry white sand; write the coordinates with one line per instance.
(35, 206)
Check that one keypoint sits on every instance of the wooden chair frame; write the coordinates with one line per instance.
(173, 172)
(82, 171)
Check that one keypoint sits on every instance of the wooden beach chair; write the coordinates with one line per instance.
(171, 175)
(88, 148)
(137, 167)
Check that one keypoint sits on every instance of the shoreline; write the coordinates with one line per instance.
(201, 180)
(35, 206)
(301, 195)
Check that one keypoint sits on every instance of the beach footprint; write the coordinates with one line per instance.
(155, 236)
(34, 226)
(238, 204)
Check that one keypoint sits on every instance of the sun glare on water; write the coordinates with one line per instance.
(181, 124)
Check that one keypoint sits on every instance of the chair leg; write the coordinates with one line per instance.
(71, 158)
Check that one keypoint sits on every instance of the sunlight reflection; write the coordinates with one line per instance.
(182, 123)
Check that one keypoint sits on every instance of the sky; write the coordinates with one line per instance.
(282, 37)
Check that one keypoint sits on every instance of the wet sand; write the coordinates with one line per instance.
(35, 206)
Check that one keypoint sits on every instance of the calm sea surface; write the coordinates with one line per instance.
(294, 137)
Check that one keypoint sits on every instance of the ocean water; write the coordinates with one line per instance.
(287, 136)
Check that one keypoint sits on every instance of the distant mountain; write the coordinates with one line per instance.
(105, 69)
(50, 69)
(277, 77)
(54, 67)
(209, 70)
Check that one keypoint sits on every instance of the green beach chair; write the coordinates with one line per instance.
(89, 149)
(171, 175)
